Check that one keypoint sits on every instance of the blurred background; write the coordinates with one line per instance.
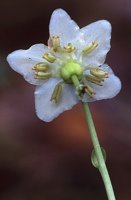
(52, 160)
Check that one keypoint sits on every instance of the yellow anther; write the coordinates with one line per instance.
(69, 48)
(89, 90)
(94, 79)
(55, 40)
(40, 67)
(90, 47)
(99, 73)
(49, 57)
(56, 93)
(42, 75)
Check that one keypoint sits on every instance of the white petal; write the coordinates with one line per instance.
(47, 110)
(22, 61)
(111, 87)
(99, 32)
(63, 26)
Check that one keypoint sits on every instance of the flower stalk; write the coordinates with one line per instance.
(98, 152)
(101, 162)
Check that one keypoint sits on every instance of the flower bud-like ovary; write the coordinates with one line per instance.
(69, 69)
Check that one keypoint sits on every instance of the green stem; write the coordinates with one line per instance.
(101, 162)
(99, 155)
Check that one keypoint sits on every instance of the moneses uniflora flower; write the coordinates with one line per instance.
(71, 52)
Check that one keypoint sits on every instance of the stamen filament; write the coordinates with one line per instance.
(90, 47)
(49, 57)
(55, 42)
(69, 48)
(42, 75)
(56, 93)
(99, 73)
(40, 67)
(89, 90)
(94, 79)
(39, 73)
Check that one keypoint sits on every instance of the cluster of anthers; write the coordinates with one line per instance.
(62, 62)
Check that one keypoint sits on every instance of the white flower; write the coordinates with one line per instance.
(71, 51)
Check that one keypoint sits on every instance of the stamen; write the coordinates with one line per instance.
(40, 67)
(42, 75)
(94, 79)
(89, 90)
(55, 42)
(56, 93)
(99, 73)
(69, 48)
(90, 47)
(49, 57)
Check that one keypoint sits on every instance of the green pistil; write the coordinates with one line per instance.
(69, 69)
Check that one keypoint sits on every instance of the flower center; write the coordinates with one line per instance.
(69, 69)
(63, 62)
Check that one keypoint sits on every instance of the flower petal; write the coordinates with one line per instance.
(99, 32)
(63, 26)
(111, 87)
(22, 61)
(47, 110)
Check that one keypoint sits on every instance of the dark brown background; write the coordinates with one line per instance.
(52, 160)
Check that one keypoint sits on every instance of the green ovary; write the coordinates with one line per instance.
(69, 69)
